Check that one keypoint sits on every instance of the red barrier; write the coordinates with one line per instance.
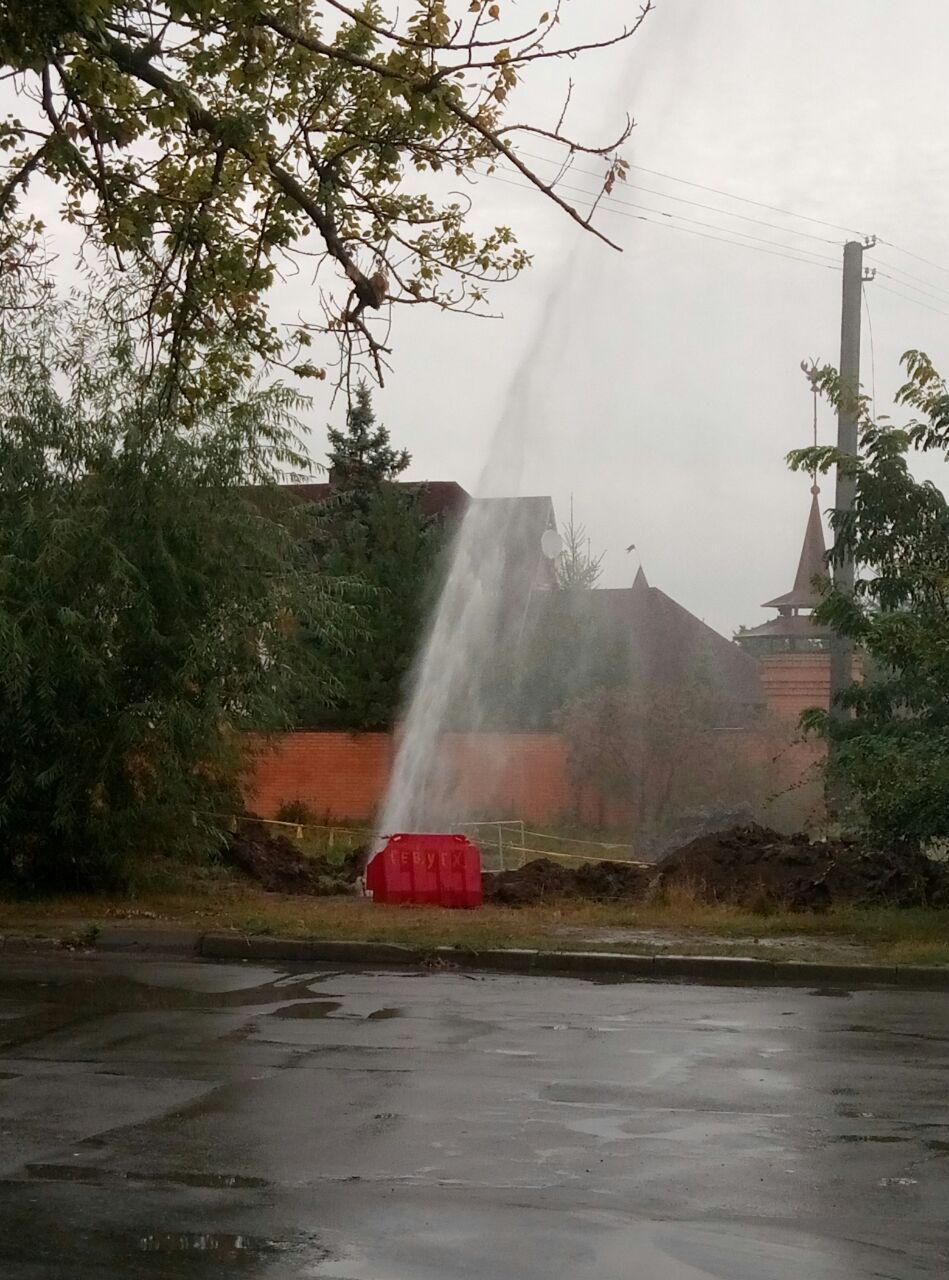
(440, 870)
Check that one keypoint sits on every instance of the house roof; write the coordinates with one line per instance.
(788, 627)
(812, 564)
(667, 644)
(436, 497)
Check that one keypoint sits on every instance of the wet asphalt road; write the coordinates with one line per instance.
(200, 1120)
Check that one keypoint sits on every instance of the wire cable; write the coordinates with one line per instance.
(939, 296)
(908, 275)
(914, 288)
(758, 204)
(910, 254)
(906, 298)
(607, 201)
(826, 263)
(873, 363)
(697, 204)
(728, 195)
(665, 213)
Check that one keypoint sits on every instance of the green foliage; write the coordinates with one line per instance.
(215, 144)
(361, 457)
(890, 738)
(297, 811)
(374, 531)
(144, 601)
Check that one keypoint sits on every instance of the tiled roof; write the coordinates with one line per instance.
(787, 627)
(668, 644)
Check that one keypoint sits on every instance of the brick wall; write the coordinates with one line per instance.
(792, 682)
(339, 776)
(342, 777)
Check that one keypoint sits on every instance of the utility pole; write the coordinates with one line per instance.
(848, 413)
(841, 652)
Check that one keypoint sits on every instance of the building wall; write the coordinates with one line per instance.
(792, 682)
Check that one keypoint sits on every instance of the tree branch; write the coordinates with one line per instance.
(19, 176)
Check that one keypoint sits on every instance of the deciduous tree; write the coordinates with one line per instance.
(145, 602)
(215, 145)
(890, 748)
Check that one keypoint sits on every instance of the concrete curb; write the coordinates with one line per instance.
(727, 970)
(721, 970)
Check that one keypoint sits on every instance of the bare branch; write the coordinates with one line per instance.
(461, 113)
(19, 176)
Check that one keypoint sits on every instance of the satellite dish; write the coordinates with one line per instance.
(551, 544)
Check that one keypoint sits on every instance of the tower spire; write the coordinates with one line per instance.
(813, 551)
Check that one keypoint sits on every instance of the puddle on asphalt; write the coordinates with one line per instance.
(883, 1038)
(869, 1137)
(307, 1009)
(937, 1147)
(222, 1243)
(89, 1173)
(217, 1181)
(67, 1172)
(82, 999)
(380, 1015)
(831, 993)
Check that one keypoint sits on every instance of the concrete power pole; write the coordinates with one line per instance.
(848, 415)
(841, 651)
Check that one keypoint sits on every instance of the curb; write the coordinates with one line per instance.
(725, 970)
(720, 970)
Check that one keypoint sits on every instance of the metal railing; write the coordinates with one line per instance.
(493, 836)
(506, 844)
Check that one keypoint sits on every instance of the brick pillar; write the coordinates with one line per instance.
(792, 682)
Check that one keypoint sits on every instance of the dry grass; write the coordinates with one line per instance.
(678, 922)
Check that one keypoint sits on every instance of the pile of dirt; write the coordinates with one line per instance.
(747, 865)
(752, 865)
(544, 879)
(276, 864)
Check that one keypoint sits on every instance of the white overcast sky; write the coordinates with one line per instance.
(671, 389)
(666, 389)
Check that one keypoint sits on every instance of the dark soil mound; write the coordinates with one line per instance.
(543, 879)
(752, 864)
(747, 865)
(275, 863)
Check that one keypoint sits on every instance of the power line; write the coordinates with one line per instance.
(821, 222)
(759, 204)
(603, 201)
(906, 298)
(709, 230)
(914, 288)
(909, 254)
(728, 195)
(826, 263)
(646, 208)
(873, 363)
(905, 278)
(697, 204)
